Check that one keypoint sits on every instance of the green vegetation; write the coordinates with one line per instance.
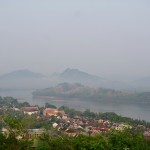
(47, 105)
(116, 118)
(12, 102)
(115, 140)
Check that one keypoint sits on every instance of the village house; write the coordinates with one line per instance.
(146, 135)
(15, 109)
(53, 112)
(35, 132)
(30, 110)
(121, 126)
(55, 125)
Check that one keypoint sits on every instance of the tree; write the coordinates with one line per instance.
(127, 139)
(15, 131)
(47, 105)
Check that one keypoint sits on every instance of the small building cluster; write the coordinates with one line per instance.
(72, 126)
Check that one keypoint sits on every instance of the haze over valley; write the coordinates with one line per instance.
(78, 89)
(101, 48)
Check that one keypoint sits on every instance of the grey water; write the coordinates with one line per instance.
(132, 110)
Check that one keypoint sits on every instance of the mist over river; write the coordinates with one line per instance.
(133, 110)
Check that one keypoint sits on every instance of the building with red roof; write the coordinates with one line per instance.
(53, 112)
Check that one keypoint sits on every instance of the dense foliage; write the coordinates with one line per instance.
(12, 102)
(115, 140)
(116, 118)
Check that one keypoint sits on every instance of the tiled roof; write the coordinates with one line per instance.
(31, 108)
(50, 111)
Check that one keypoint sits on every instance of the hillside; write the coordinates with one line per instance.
(67, 90)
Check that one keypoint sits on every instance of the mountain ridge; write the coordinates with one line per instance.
(77, 73)
(77, 76)
(24, 77)
(22, 73)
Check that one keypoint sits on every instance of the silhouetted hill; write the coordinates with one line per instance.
(22, 79)
(77, 76)
(18, 74)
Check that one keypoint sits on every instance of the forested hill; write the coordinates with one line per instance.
(76, 90)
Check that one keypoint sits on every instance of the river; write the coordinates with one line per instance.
(133, 110)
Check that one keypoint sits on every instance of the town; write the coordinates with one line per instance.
(66, 120)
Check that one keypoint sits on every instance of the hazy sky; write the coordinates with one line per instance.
(109, 38)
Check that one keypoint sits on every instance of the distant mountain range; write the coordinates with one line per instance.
(25, 79)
